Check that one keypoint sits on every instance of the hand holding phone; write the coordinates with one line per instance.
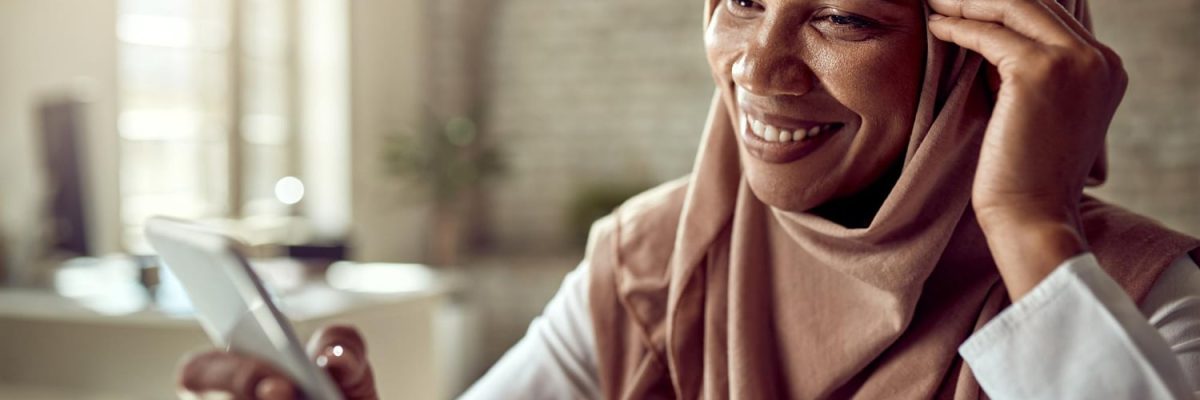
(261, 355)
(337, 349)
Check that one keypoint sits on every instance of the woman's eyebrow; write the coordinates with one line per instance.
(890, 3)
(885, 3)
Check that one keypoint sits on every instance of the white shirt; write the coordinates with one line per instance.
(1077, 335)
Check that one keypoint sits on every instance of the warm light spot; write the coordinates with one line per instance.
(289, 190)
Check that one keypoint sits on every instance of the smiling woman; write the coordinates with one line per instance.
(849, 69)
(887, 203)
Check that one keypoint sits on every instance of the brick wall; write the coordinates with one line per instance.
(588, 92)
(1154, 142)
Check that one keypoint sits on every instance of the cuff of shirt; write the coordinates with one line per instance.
(1075, 335)
(1008, 321)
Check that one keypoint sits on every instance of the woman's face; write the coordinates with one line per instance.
(826, 91)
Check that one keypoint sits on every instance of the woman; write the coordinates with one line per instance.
(875, 212)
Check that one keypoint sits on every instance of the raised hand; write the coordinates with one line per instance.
(1059, 88)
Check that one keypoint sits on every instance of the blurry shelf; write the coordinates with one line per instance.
(26, 392)
(314, 301)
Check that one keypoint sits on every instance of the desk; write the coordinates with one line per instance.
(54, 346)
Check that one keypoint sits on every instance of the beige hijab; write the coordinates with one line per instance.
(699, 290)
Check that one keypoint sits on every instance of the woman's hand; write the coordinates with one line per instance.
(339, 350)
(1058, 90)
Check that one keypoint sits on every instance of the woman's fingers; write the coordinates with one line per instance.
(341, 351)
(1083, 31)
(1068, 19)
(239, 376)
(332, 335)
(998, 44)
(275, 388)
(1031, 18)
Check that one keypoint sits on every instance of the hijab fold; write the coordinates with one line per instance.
(700, 290)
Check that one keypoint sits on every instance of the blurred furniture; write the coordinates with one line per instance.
(3, 258)
(101, 347)
(25, 392)
(62, 128)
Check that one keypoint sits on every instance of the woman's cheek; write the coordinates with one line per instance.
(838, 75)
(895, 81)
(722, 54)
(872, 79)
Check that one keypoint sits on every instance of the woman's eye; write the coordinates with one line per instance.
(847, 27)
(851, 21)
(743, 8)
(744, 3)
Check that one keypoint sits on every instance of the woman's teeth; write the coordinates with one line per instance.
(774, 134)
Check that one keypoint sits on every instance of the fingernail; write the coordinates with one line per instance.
(274, 388)
(329, 354)
(351, 357)
(936, 17)
(340, 362)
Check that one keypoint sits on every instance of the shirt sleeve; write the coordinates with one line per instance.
(1077, 335)
(556, 358)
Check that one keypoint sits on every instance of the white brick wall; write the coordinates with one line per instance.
(1154, 142)
(581, 92)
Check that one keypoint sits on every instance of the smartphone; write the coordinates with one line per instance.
(231, 303)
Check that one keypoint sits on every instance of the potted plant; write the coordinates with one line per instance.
(447, 160)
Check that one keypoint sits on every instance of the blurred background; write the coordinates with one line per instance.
(425, 170)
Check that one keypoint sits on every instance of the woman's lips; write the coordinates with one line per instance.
(780, 145)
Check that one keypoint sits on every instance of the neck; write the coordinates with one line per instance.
(858, 210)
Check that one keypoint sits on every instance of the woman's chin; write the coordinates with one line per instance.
(793, 192)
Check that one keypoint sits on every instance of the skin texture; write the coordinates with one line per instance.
(1056, 88)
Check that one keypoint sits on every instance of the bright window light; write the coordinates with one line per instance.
(151, 30)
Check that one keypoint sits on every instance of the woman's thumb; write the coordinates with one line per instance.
(341, 351)
(343, 364)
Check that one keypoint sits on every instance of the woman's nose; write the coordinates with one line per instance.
(772, 65)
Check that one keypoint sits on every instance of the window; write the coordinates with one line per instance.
(267, 130)
(208, 113)
(174, 120)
